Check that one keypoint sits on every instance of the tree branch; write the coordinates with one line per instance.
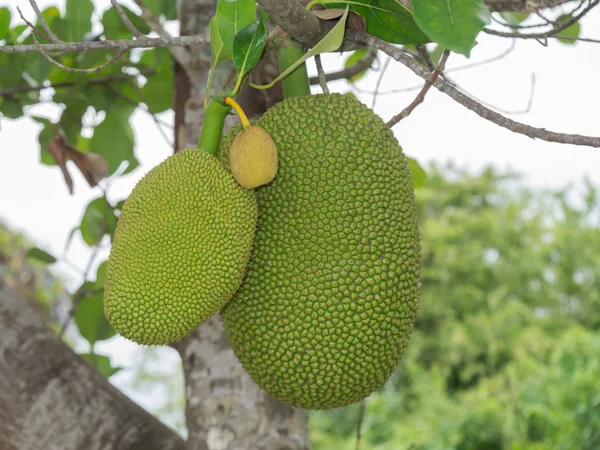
(421, 95)
(126, 20)
(77, 47)
(351, 71)
(469, 103)
(522, 5)
(64, 84)
(181, 55)
(321, 76)
(293, 17)
(51, 398)
(51, 36)
(550, 33)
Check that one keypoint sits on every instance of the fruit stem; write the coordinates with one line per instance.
(212, 128)
(297, 82)
(238, 109)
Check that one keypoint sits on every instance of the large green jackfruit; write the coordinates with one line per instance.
(180, 249)
(332, 289)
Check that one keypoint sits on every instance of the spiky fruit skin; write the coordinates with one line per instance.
(180, 249)
(332, 290)
(253, 157)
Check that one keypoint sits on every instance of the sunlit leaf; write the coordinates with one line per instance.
(571, 31)
(248, 45)
(356, 57)
(4, 22)
(232, 16)
(452, 23)
(419, 176)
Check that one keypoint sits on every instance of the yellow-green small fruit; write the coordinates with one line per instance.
(253, 158)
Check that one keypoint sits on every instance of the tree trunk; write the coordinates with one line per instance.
(225, 408)
(50, 399)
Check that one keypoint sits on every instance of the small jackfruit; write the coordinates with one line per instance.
(253, 157)
(180, 248)
(332, 289)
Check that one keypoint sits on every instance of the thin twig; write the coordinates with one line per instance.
(51, 36)
(517, 127)
(349, 72)
(386, 64)
(321, 72)
(65, 84)
(126, 20)
(122, 44)
(181, 55)
(425, 56)
(421, 95)
(551, 33)
(361, 417)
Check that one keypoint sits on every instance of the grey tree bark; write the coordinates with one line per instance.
(51, 399)
(225, 408)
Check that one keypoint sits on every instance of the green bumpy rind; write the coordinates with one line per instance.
(332, 289)
(180, 250)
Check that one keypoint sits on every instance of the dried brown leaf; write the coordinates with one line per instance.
(329, 14)
(92, 166)
(355, 21)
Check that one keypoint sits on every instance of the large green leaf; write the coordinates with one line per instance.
(98, 219)
(571, 31)
(79, 18)
(452, 23)
(158, 91)
(248, 45)
(71, 119)
(101, 363)
(232, 16)
(4, 22)
(386, 19)
(90, 318)
(218, 54)
(113, 138)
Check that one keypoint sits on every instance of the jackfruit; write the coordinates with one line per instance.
(253, 157)
(332, 290)
(180, 249)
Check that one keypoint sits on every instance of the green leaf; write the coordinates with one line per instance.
(571, 31)
(167, 8)
(353, 59)
(101, 363)
(90, 318)
(218, 54)
(158, 91)
(248, 45)
(101, 274)
(114, 28)
(386, 19)
(419, 176)
(98, 219)
(331, 42)
(44, 138)
(71, 119)
(79, 18)
(40, 255)
(37, 67)
(113, 138)
(452, 23)
(232, 16)
(4, 22)
(514, 18)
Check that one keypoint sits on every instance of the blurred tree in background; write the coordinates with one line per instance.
(505, 352)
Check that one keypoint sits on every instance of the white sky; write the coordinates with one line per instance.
(35, 200)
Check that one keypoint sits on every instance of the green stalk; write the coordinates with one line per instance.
(212, 128)
(296, 83)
